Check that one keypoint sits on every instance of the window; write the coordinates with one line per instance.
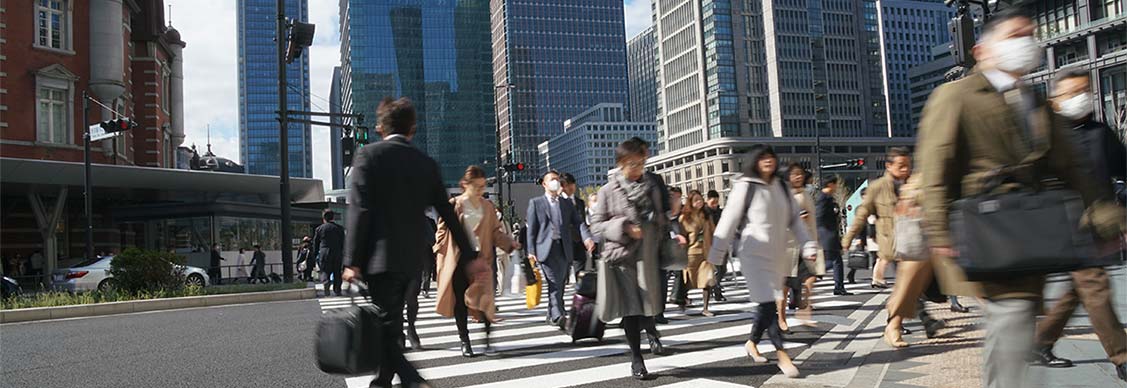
(52, 114)
(52, 21)
(165, 87)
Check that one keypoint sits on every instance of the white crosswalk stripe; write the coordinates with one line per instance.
(523, 340)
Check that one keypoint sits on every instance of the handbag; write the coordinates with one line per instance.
(532, 291)
(673, 256)
(1019, 233)
(586, 282)
(858, 260)
(908, 236)
(350, 340)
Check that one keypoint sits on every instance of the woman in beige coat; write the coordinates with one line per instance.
(697, 228)
(467, 288)
(797, 179)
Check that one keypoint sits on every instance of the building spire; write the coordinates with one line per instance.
(209, 138)
(170, 15)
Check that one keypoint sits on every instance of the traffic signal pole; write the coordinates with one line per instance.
(284, 147)
(87, 184)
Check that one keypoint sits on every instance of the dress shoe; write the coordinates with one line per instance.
(413, 337)
(959, 308)
(1045, 357)
(655, 346)
(1121, 370)
(661, 320)
(842, 293)
(467, 350)
(932, 327)
(638, 370)
(718, 297)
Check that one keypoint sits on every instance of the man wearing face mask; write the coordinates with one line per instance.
(551, 219)
(970, 129)
(1105, 159)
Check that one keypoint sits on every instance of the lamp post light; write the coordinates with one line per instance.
(507, 87)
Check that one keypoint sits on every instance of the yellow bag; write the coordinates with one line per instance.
(532, 291)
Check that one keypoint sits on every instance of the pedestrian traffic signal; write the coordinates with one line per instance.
(511, 167)
(362, 136)
(117, 125)
(855, 164)
(347, 149)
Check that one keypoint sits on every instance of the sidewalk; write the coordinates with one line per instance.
(854, 356)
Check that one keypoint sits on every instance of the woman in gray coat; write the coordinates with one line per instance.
(762, 204)
(630, 219)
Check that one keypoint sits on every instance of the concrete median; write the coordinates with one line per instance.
(134, 306)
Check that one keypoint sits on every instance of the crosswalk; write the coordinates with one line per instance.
(532, 352)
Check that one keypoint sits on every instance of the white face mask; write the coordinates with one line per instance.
(1017, 55)
(1077, 107)
(554, 185)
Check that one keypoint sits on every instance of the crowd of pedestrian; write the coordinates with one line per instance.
(646, 244)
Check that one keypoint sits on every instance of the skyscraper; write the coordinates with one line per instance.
(586, 147)
(435, 52)
(735, 73)
(258, 91)
(641, 58)
(552, 60)
(909, 31)
(335, 132)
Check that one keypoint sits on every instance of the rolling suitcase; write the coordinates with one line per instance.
(582, 322)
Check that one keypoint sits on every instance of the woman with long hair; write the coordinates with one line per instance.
(697, 228)
(466, 288)
(631, 218)
(762, 203)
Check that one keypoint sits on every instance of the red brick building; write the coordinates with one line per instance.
(52, 51)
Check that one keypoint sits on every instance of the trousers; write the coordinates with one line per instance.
(1090, 287)
(555, 270)
(766, 320)
(1009, 341)
(833, 257)
(388, 291)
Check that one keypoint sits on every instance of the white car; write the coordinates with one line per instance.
(94, 274)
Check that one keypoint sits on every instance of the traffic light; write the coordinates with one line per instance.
(511, 167)
(117, 125)
(301, 36)
(362, 136)
(855, 164)
(347, 150)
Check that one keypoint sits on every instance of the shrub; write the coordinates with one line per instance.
(136, 270)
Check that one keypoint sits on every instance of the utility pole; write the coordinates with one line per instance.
(87, 184)
(284, 146)
(508, 87)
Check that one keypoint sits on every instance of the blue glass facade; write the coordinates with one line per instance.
(258, 91)
(641, 53)
(438, 54)
(561, 57)
(910, 29)
(586, 147)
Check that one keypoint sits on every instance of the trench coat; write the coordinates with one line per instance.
(479, 294)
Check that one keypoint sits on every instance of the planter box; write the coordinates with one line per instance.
(98, 309)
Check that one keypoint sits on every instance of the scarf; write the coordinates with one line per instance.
(638, 195)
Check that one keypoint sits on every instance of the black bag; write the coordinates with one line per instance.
(587, 280)
(529, 272)
(350, 340)
(1020, 233)
(582, 322)
(857, 260)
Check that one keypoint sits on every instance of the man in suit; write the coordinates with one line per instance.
(826, 218)
(714, 210)
(971, 128)
(1105, 159)
(328, 249)
(551, 220)
(580, 246)
(393, 183)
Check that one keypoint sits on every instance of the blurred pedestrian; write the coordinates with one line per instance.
(880, 201)
(631, 217)
(258, 265)
(466, 287)
(305, 259)
(761, 201)
(991, 121)
(679, 295)
(582, 246)
(551, 220)
(328, 248)
(504, 267)
(827, 213)
(393, 183)
(241, 266)
(714, 210)
(803, 272)
(1105, 160)
(214, 271)
(35, 263)
(697, 228)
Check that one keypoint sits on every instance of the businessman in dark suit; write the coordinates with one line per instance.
(328, 246)
(392, 185)
(581, 247)
(551, 220)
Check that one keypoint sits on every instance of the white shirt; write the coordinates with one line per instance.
(554, 214)
(471, 218)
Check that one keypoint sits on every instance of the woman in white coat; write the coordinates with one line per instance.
(761, 202)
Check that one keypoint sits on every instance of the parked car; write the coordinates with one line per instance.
(9, 287)
(94, 274)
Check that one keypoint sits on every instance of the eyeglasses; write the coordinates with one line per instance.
(634, 164)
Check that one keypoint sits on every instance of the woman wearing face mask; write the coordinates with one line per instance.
(467, 288)
(761, 202)
(697, 227)
(630, 217)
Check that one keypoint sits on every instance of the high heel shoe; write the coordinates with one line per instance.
(656, 347)
(893, 338)
(789, 370)
(638, 370)
(707, 313)
(748, 346)
(879, 285)
(467, 350)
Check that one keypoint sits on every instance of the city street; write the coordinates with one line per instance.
(270, 344)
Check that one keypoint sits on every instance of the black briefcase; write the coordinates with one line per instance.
(1020, 233)
(857, 260)
(350, 340)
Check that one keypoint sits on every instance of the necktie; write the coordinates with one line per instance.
(1016, 98)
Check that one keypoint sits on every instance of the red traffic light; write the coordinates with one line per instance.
(520, 166)
(860, 162)
(122, 125)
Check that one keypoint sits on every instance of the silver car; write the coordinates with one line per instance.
(94, 274)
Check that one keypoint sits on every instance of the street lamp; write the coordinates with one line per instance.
(507, 87)
(289, 48)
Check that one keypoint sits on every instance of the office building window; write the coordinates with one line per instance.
(52, 21)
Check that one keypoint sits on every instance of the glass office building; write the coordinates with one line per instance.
(438, 53)
(258, 91)
(561, 57)
(641, 53)
(909, 31)
(586, 147)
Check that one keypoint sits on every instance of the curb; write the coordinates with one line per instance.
(135, 306)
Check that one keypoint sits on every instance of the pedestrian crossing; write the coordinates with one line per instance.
(531, 352)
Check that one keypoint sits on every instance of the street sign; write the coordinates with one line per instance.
(97, 133)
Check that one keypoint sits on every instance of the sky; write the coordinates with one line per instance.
(211, 84)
